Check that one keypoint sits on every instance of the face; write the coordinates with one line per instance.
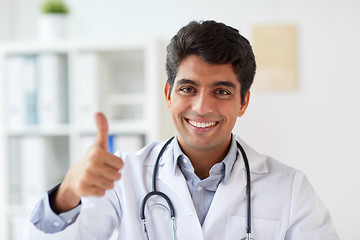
(205, 103)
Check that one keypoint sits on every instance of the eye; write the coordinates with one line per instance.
(222, 92)
(187, 90)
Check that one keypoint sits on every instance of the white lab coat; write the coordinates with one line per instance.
(284, 205)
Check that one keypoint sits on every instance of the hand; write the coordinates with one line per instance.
(92, 175)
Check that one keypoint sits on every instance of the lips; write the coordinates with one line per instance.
(201, 124)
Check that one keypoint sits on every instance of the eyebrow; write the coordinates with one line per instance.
(220, 83)
(225, 83)
(185, 81)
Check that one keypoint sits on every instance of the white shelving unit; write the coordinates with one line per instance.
(49, 94)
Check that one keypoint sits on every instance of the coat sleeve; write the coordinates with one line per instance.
(308, 216)
(95, 218)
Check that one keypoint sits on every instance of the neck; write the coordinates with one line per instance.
(203, 160)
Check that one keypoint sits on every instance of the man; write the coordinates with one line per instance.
(210, 69)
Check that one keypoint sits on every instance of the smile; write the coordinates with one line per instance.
(201, 124)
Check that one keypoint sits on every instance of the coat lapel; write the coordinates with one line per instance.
(226, 196)
(175, 183)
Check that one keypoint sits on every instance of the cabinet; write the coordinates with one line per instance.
(49, 94)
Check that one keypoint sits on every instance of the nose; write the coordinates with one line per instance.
(203, 103)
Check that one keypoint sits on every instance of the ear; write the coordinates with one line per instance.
(244, 104)
(167, 95)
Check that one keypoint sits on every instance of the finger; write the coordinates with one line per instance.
(114, 162)
(96, 181)
(103, 183)
(101, 139)
(106, 172)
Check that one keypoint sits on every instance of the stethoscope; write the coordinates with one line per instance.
(171, 207)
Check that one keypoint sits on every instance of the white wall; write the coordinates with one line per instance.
(315, 128)
(18, 19)
(5, 8)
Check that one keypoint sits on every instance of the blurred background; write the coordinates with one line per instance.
(312, 125)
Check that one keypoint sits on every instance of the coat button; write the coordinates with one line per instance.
(56, 224)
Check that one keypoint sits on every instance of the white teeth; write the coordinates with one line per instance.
(201, 124)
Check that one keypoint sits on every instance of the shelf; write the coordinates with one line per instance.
(60, 130)
(123, 79)
(126, 127)
(26, 47)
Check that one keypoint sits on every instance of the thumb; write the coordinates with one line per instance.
(102, 126)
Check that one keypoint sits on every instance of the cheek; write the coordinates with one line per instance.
(179, 101)
(177, 106)
(231, 112)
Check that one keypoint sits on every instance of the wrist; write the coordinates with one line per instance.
(63, 199)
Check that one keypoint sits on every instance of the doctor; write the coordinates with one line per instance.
(210, 69)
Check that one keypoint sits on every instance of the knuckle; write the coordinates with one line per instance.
(107, 184)
(117, 176)
(86, 173)
(83, 185)
(91, 166)
(100, 192)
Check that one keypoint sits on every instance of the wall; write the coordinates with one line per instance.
(4, 18)
(315, 127)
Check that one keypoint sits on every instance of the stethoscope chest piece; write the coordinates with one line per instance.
(248, 237)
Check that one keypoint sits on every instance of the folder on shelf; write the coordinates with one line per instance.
(52, 89)
(87, 95)
(43, 163)
(30, 82)
(14, 175)
(16, 113)
(32, 169)
(21, 90)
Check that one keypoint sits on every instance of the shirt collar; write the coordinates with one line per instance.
(228, 161)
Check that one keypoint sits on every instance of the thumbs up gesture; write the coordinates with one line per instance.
(92, 175)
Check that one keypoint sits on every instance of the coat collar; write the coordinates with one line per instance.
(228, 161)
(258, 162)
(176, 183)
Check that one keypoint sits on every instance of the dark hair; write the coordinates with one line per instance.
(215, 43)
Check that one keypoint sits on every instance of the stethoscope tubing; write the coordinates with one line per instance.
(167, 199)
(154, 187)
(248, 187)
